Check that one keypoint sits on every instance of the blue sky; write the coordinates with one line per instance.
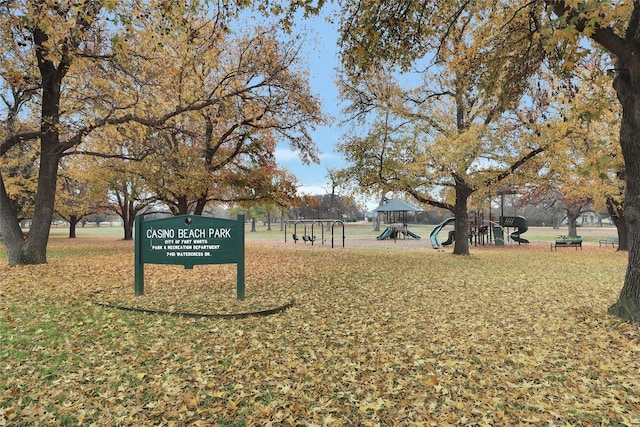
(321, 59)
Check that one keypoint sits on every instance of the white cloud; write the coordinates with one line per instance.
(285, 155)
(312, 190)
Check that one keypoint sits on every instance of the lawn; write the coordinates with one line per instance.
(357, 231)
(387, 334)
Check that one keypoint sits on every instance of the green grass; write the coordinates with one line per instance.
(360, 231)
(115, 231)
(352, 230)
(365, 230)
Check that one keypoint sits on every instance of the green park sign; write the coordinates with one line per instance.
(189, 240)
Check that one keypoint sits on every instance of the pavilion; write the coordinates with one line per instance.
(396, 212)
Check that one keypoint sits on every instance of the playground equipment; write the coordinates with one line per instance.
(396, 219)
(393, 231)
(433, 236)
(498, 232)
(516, 221)
(479, 232)
(313, 225)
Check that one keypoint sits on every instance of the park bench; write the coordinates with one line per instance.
(613, 241)
(567, 242)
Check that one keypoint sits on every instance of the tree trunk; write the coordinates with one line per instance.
(461, 246)
(376, 222)
(616, 212)
(376, 218)
(183, 205)
(627, 85)
(73, 221)
(129, 220)
(282, 219)
(35, 249)
(201, 203)
(572, 221)
(623, 235)
(10, 230)
(128, 230)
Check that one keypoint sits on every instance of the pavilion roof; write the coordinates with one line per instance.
(397, 205)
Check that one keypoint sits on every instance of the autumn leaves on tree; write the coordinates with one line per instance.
(485, 56)
(457, 130)
(128, 81)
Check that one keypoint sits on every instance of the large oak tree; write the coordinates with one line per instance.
(225, 153)
(403, 30)
(72, 68)
(457, 132)
(616, 27)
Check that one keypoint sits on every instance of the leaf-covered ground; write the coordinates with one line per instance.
(506, 336)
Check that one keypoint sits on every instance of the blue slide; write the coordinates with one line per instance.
(388, 233)
(385, 234)
(412, 234)
(434, 233)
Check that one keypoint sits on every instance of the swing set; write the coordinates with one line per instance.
(313, 224)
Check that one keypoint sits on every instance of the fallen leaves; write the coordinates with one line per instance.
(376, 337)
